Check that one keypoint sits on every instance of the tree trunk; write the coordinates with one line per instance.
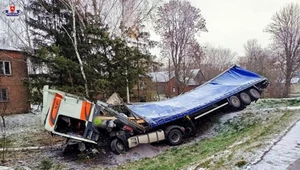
(77, 53)
(3, 135)
(287, 85)
(3, 121)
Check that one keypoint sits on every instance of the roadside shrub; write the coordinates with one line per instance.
(274, 90)
(238, 124)
(241, 163)
(46, 164)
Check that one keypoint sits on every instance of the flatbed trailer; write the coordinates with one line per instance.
(100, 124)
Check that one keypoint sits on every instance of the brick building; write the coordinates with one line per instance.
(166, 85)
(13, 72)
(173, 89)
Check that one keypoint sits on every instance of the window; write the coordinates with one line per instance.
(5, 68)
(142, 85)
(3, 95)
(173, 90)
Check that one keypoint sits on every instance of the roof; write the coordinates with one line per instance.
(9, 49)
(295, 80)
(194, 72)
(161, 76)
(192, 82)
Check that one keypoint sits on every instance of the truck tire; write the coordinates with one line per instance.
(254, 94)
(246, 99)
(235, 102)
(174, 137)
(117, 146)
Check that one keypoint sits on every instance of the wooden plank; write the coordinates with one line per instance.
(114, 118)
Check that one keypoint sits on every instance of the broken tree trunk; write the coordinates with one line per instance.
(30, 148)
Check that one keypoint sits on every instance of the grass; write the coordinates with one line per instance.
(178, 157)
(258, 138)
(273, 103)
(46, 164)
(39, 138)
(205, 153)
(6, 143)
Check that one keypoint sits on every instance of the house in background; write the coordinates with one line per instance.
(13, 72)
(160, 80)
(166, 84)
(142, 90)
(192, 80)
(295, 86)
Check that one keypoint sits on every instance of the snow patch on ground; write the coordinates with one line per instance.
(20, 123)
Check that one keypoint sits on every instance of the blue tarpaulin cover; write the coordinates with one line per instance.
(221, 87)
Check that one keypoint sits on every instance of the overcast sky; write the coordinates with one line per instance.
(231, 23)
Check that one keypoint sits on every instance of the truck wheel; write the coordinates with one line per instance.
(254, 94)
(117, 147)
(174, 137)
(245, 98)
(235, 101)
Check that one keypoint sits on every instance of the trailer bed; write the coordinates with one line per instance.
(230, 82)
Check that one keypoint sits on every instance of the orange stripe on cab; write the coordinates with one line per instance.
(54, 109)
(85, 110)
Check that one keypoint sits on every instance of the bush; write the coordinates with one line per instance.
(46, 164)
(274, 90)
(241, 163)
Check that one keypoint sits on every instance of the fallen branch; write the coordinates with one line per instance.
(31, 148)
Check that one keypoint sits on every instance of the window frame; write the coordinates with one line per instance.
(4, 69)
(1, 95)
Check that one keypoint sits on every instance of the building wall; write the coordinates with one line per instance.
(14, 83)
(295, 89)
(172, 88)
(145, 90)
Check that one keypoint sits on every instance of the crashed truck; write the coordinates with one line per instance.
(170, 120)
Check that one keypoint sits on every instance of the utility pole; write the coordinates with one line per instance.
(127, 86)
(137, 45)
(169, 84)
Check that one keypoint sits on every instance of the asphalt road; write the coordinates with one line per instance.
(284, 154)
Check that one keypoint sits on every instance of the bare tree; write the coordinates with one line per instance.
(256, 56)
(177, 23)
(126, 14)
(120, 13)
(285, 31)
(216, 60)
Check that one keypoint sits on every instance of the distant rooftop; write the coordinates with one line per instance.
(161, 76)
(9, 49)
(165, 76)
(295, 80)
